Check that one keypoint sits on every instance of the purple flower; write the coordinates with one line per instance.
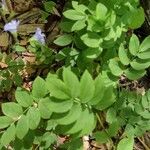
(39, 36)
(12, 26)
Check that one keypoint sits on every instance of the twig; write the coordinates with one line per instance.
(144, 145)
(136, 147)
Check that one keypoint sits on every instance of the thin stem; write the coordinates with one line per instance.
(145, 146)
(100, 122)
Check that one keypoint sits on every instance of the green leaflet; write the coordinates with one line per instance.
(115, 67)
(145, 45)
(123, 55)
(86, 87)
(91, 40)
(74, 15)
(34, 117)
(55, 105)
(100, 88)
(126, 144)
(135, 23)
(5, 121)
(48, 139)
(113, 129)
(91, 121)
(134, 44)
(71, 81)
(8, 135)
(74, 144)
(134, 74)
(51, 124)
(48, 6)
(101, 136)
(101, 11)
(78, 126)
(69, 117)
(145, 114)
(39, 89)
(78, 25)
(92, 53)
(104, 136)
(145, 100)
(107, 100)
(144, 55)
(79, 7)
(111, 115)
(85, 117)
(57, 88)
(44, 108)
(23, 98)
(140, 64)
(66, 26)
(64, 40)
(22, 127)
(12, 110)
(19, 48)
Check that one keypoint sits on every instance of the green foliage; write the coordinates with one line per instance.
(79, 93)
(132, 61)
(126, 143)
(49, 7)
(63, 40)
(10, 72)
(58, 100)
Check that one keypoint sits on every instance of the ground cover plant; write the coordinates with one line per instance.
(74, 74)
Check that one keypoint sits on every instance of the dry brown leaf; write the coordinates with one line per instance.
(3, 65)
